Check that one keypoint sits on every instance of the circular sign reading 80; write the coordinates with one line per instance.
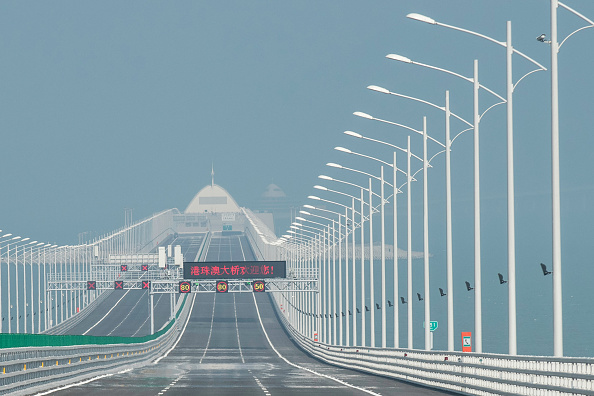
(185, 287)
(259, 286)
(222, 287)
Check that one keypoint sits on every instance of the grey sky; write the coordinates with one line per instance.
(106, 105)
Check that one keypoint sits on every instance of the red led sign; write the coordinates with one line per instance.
(144, 267)
(119, 285)
(91, 285)
(146, 285)
(124, 267)
(235, 270)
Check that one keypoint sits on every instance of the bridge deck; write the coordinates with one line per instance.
(228, 347)
(224, 351)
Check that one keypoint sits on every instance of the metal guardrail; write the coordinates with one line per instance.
(34, 368)
(470, 373)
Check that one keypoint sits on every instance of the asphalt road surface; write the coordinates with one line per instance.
(124, 313)
(226, 349)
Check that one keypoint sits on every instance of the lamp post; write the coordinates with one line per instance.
(17, 239)
(448, 143)
(383, 242)
(326, 298)
(346, 216)
(1, 321)
(371, 252)
(477, 223)
(340, 305)
(10, 242)
(316, 233)
(511, 253)
(556, 194)
(425, 235)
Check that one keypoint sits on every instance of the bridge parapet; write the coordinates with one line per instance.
(43, 361)
(480, 374)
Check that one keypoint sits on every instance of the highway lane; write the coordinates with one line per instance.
(229, 248)
(124, 313)
(233, 343)
(224, 350)
(190, 244)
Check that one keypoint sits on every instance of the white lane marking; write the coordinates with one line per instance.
(305, 368)
(241, 246)
(112, 308)
(80, 383)
(182, 332)
(237, 330)
(129, 313)
(214, 301)
(149, 316)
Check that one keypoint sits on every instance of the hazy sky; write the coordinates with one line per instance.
(106, 105)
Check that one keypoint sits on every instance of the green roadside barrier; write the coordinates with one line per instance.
(40, 340)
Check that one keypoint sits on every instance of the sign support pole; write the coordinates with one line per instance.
(152, 314)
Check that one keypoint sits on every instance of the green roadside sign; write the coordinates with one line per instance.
(432, 325)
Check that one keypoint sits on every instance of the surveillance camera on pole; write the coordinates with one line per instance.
(543, 39)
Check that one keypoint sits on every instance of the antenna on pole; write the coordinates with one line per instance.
(212, 175)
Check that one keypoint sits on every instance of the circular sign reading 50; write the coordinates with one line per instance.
(259, 286)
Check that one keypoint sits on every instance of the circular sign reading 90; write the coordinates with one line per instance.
(185, 287)
(259, 286)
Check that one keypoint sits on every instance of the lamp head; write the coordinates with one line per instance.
(6, 235)
(421, 18)
(324, 177)
(364, 115)
(378, 89)
(344, 150)
(333, 165)
(309, 207)
(399, 58)
(305, 212)
(25, 239)
(300, 218)
(320, 188)
(314, 197)
(542, 38)
(353, 134)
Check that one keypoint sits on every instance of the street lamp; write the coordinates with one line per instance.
(477, 222)
(510, 163)
(425, 226)
(353, 198)
(339, 264)
(448, 143)
(383, 242)
(556, 194)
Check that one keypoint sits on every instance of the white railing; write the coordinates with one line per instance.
(471, 373)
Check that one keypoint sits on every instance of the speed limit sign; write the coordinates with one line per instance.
(259, 286)
(185, 287)
(222, 287)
